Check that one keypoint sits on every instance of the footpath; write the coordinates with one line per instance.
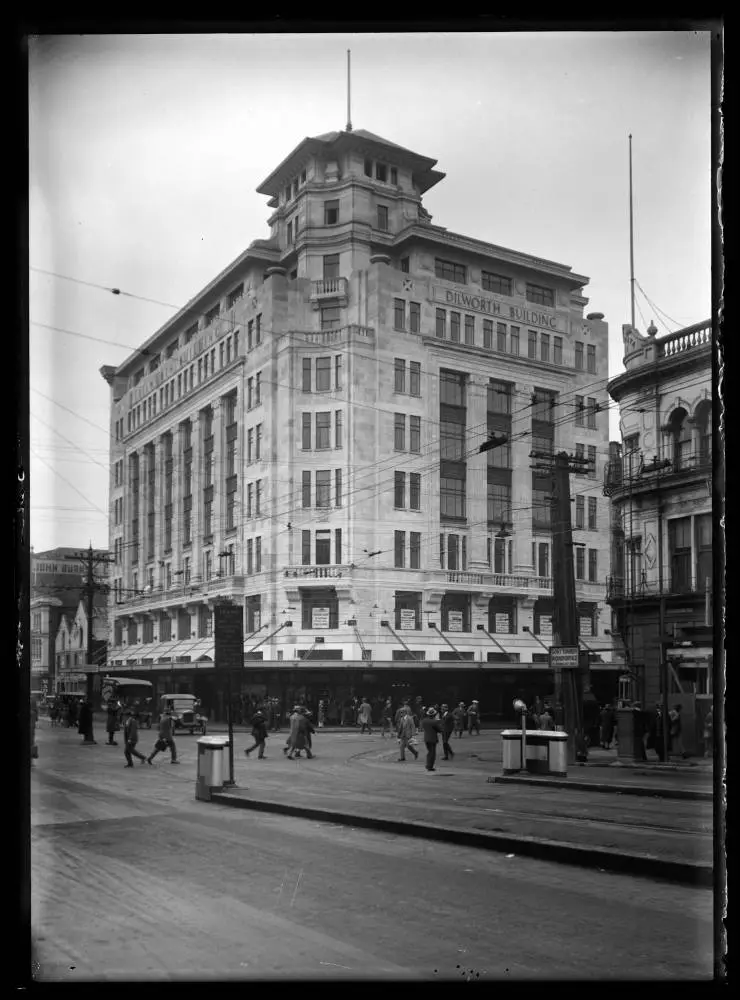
(657, 822)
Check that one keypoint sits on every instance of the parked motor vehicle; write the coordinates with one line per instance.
(184, 711)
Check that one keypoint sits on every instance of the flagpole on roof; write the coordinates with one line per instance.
(349, 92)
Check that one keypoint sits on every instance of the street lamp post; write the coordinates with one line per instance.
(520, 707)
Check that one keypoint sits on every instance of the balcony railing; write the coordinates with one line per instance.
(500, 580)
(330, 288)
(635, 473)
(687, 339)
(317, 572)
(620, 589)
(339, 333)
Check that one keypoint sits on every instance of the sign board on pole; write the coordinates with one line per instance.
(228, 633)
(319, 618)
(454, 621)
(563, 656)
(408, 618)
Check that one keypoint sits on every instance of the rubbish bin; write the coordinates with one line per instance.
(546, 752)
(210, 772)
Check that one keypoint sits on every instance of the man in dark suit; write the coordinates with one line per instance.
(448, 725)
(432, 728)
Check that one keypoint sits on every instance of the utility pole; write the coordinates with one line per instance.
(89, 589)
(568, 696)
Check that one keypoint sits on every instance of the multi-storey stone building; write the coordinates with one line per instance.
(303, 438)
(661, 486)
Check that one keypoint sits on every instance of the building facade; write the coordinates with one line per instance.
(303, 438)
(660, 482)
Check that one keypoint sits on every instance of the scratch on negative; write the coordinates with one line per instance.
(300, 876)
(282, 886)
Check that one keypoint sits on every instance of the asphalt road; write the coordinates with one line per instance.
(134, 879)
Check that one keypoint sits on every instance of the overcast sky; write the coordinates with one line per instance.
(145, 152)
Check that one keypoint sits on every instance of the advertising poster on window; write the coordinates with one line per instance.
(545, 624)
(408, 618)
(454, 621)
(319, 618)
(256, 621)
(585, 626)
(503, 622)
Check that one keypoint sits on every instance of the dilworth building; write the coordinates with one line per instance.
(303, 439)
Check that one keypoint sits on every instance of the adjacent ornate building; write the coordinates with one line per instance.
(662, 583)
(303, 437)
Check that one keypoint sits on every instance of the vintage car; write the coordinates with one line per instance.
(184, 711)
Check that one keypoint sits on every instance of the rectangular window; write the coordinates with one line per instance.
(453, 549)
(557, 354)
(399, 549)
(258, 555)
(236, 294)
(290, 233)
(338, 490)
(579, 411)
(250, 334)
(337, 428)
(488, 333)
(258, 329)
(399, 314)
(323, 548)
(323, 430)
(580, 562)
(305, 548)
(331, 213)
(331, 266)
(368, 168)
(415, 317)
(212, 314)
(394, 175)
(415, 550)
(338, 546)
(250, 556)
(469, 329)
(679, 553)
(258, 388)
(579, 513)
(592, 565)
(455, 327)
(381, 172)
(414, 491)
(592, 461)
(258, 443)
(514, 340)
(447, 270)
(399, 375)
(405, 265)
(441, 324)
(540, 508)
(542, 296)
(415, 378)
(495, 283)
(249, 499)
(306, 489)
(544, 347)
(399, 490)
(306, 432)
(330, 317)
(452, 497)
(306, 375)
(499, 503)
(399, 432)
(591, 358)
(501, 337)
(250, 445)
(323, 488)
(323, 374)
(592, 410)
(532, 345)
(579, 355)
(580, 453)
(383, 218)
(257, 497)
(337, 372)
(592, 513)
(415, 434)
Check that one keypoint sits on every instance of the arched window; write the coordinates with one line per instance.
(680, 430)
(703, 422)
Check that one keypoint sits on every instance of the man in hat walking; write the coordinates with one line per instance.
(365, 716)
(166, 738)
(432, 728)
(259, 735)
(406, 731)
(473, 718)
(131, 738)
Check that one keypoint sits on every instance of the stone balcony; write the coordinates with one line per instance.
(508, 583)
(334, 290)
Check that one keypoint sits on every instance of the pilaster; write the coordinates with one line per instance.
(476, 486)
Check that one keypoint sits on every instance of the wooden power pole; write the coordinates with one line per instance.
(567, 682)
(89, 589)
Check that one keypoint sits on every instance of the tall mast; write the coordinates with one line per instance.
(349, 93)
(632, 247)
